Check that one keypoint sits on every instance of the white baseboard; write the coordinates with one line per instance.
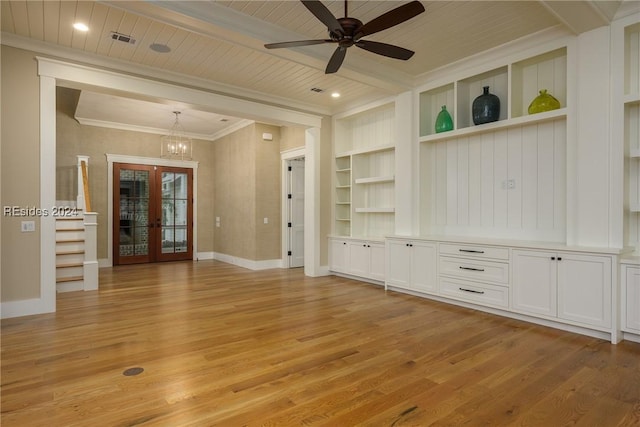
(204, 255)
(104, 263)
(247, 263)
(26, 307)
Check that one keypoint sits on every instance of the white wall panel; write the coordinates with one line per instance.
(471, 173)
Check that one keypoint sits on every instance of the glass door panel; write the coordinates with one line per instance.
(176, 216)
(133, 238)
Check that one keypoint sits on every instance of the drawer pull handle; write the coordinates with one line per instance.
(471, 269)
(471, 251)
(473, 291)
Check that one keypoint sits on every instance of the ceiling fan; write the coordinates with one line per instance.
(347, 32)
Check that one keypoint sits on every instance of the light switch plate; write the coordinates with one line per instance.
(28, 226)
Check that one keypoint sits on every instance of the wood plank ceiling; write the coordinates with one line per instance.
(222, 41)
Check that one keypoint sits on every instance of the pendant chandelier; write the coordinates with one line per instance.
(176, 145)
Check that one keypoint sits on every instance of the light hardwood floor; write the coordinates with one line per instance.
(225, 346)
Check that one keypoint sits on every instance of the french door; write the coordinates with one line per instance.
(154, 211)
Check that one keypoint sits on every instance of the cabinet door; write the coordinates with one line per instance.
(398, 263)
(423, 267)
(631, 299)
(359, 263)
(534, 283)
(339, 254)
(376, 261)
(584, 289)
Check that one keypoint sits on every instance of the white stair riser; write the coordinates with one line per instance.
(69, 246)
(69, 272)
(69, 259)
(70, 286)
(62, 236)
(68, 224)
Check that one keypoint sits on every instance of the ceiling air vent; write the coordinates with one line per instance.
(317, 90)
(122, 38)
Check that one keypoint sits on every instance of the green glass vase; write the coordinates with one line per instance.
(444, 122)
(543, 102)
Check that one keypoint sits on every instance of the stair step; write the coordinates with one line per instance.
(69, 279)
(70, 253)
(70, 265)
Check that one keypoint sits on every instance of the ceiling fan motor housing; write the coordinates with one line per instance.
(349, 28)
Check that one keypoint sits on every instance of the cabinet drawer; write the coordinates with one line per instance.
(480, 293)
(475, 269)
(474, 251)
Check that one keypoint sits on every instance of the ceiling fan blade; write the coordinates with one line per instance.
(336, 60)
(296, 43)
(384, 49)
(321, 12)
(391, 18)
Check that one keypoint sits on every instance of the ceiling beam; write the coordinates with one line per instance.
(582, 16)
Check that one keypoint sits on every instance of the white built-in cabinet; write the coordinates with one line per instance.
(360, 258)
(364, 190)
(563, 285)
(630, 289)
(499, 216)
(411, 264)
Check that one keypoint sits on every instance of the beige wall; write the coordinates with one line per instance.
(291, 137)
(20, 179)
(75, 139)
(247, 190)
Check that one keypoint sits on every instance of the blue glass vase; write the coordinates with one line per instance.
(485, 108)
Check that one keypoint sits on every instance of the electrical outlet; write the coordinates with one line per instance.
(508, 184)
(266, 220)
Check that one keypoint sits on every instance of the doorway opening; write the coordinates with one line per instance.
(153, 213)
(294, 184)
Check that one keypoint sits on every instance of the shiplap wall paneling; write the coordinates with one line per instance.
(632, 135)
(547, 71)
(373, 189)
(366, 130)
(431, 103)
(469, 89)
(508, 183)
(632, 60)
(373, 224)
(632, 132)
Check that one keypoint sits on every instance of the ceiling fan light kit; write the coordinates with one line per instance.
(347, 32)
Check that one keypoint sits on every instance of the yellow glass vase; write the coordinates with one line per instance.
(543, 102)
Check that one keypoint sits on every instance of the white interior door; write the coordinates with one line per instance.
(296, 213)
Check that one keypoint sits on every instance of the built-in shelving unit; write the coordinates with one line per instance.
(364, 150)
(631, 101)
(502, 179)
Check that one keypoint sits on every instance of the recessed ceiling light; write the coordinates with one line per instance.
(81, 27)
(335, 95)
